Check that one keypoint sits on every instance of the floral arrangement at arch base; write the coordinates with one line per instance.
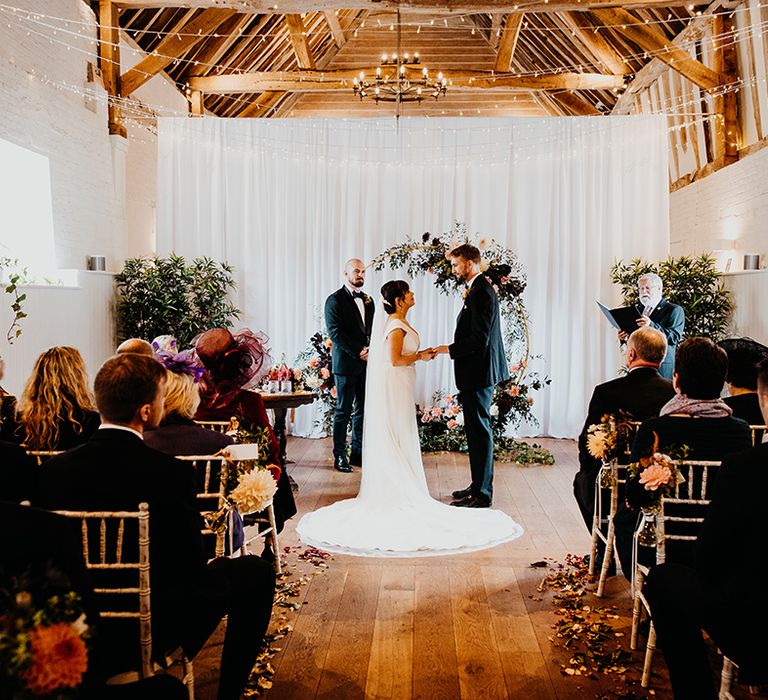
(512, 401)
(43, 640)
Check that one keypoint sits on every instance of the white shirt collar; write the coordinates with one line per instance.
(353, 290)
(469, 284)
(113, 426)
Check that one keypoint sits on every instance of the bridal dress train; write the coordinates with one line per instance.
(393, 515)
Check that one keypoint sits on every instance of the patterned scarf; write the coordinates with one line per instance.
(696, 408)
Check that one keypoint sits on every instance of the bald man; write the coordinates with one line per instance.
(135, 345)
(349, 318)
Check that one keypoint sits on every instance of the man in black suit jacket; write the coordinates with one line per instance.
(18, 474)
(349, 319)
(713, 594)
(42, 549)
(479, 364)
(640, 393)
(664, 316)
(115, 470)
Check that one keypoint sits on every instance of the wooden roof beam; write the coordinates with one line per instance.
(299, 41)
(109, 61)
(580, 26)
(508, 42)
(214, 49)
(575, 104)
(341, 79)
(335, 26)
(173, 46)
(447, 7)
(655, 42)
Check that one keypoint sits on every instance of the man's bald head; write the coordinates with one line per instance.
(354, 271)
(135, 345)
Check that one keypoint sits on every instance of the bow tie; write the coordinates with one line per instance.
(358, 295)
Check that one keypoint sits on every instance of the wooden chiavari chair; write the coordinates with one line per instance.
(108, 550)
(677, 524)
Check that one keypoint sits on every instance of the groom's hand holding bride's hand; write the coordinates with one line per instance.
(440, 350)
(427, 354)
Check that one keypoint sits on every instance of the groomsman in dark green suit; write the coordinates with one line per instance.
(349, 318)
(479, 364)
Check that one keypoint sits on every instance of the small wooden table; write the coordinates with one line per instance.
(280, 403)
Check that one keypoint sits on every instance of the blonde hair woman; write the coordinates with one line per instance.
(56, 410)
(178, 434)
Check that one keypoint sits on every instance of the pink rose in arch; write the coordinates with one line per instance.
(514, 391)
(454, 410)
(436, 412)
(324, 373)
(452, 423)
(333, 391)
(314, 362)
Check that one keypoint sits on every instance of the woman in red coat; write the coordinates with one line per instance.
(234, 364)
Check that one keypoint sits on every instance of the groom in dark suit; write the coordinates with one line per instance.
(349, 319)
(479, 364)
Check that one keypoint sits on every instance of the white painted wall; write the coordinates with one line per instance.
(102, 187)
(80, 314)
(725, 213)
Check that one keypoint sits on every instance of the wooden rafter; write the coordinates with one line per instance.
(173, 46)
(299, 41)
(109, 59)
(575, 104)
(341, 79)
(655, 42)
(508, 42)
(726, 106)
(580, 26)
(215, 49)
(435, 6)
(335, 26)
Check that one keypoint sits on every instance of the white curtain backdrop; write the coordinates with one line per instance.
(288, 201)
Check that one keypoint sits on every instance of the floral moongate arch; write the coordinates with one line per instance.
(441, 422)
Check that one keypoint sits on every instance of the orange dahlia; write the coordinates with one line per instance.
(59, 659)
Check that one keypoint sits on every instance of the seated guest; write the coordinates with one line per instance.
(137, 345)
(713, 594)
(640, 394)
(234, 364)
(696, 418)
(744, 354)
(115, 470)
(7, 409)
(41, 549)
(178, 434)
(18, 474)
(56, 410)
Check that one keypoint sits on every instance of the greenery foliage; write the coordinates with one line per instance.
(16, 277)
(691, 282)
(159, 296)
(441, 426)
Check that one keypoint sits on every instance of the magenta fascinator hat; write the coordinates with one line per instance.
(184, 362)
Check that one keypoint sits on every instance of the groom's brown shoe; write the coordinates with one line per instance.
(463, 493)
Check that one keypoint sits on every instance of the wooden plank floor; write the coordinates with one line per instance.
(461, 626)
(464, 626)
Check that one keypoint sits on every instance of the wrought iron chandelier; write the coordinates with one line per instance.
(400, 78)
(408, 82)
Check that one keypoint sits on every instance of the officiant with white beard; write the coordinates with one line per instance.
(658, 313)
(349, 318)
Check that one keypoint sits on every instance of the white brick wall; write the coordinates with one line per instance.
(103, 202)
(725, 212)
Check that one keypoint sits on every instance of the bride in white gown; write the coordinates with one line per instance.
(393, 515)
